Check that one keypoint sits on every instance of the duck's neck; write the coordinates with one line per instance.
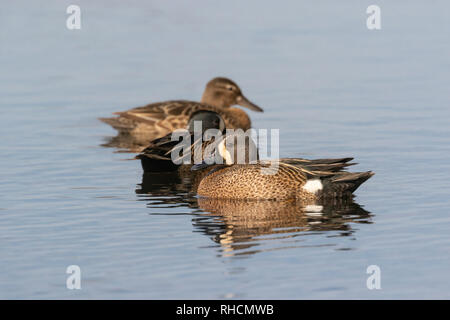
(210, 99)
(237, 118)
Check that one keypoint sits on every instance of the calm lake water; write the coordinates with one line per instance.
(332, 87)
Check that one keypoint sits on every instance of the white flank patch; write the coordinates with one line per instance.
(313, 208)
(313, 185)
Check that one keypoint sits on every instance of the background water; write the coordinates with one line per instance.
(334, 89)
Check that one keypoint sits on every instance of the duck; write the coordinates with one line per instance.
(297, 179)
(156, 120)
(157, 156)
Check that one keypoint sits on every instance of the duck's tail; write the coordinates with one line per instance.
(121, 124)
(344, 182)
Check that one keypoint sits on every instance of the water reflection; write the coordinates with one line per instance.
(127, 143)
(245, 224)
(167, 189)
(242, 228)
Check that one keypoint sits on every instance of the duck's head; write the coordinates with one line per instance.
(234, 147)
(237, 147)
(209, 120)
(224, 93)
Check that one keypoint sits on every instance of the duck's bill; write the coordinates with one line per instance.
(200, 166)
(244, 102)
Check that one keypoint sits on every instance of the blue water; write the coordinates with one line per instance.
(330, 85)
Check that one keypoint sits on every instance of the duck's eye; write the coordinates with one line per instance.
(230, 88)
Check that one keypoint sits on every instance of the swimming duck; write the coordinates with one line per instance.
(286, 182)
(158, 119)
(299, 179)
(157, 156)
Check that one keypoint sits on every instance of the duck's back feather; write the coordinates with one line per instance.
(161, 118)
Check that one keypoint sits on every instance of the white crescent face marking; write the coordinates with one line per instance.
(224, 152)
(313, 185)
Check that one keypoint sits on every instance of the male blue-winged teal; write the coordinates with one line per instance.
(287, 182)
(158, 119)
(157, 156)
(301, 179)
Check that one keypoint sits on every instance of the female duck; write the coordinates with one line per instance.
(158, 119)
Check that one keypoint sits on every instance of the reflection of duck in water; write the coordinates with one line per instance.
(238, 224)
(142, 124)
(167, 189)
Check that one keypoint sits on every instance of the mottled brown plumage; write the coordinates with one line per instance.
(279, 180)
(242, 181)
(158, 119)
